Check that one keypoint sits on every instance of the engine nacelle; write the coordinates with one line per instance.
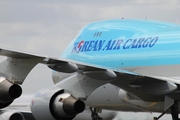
(11, 115)
(55, 104)
(8, 92)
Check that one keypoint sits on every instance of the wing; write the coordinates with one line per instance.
(17, 65)
(17, 62)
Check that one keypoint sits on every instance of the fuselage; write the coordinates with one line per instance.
(137, 47)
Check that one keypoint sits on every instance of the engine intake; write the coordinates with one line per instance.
(16, 116)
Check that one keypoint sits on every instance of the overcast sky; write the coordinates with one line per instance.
(46, 27)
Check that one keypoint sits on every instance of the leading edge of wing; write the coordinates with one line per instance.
(60, 63)
(19, 55)
(68, 66)
(65, 65)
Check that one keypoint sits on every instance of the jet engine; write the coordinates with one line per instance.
(8, 92)
(55, 104)
(11, 115)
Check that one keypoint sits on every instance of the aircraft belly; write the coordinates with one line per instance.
(113, 98)
(108, 98)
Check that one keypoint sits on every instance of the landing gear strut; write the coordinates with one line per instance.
(94, 114)
(174, 112)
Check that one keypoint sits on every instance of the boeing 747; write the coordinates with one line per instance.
(135, 65)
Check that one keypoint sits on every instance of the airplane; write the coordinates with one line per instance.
(134, 63)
